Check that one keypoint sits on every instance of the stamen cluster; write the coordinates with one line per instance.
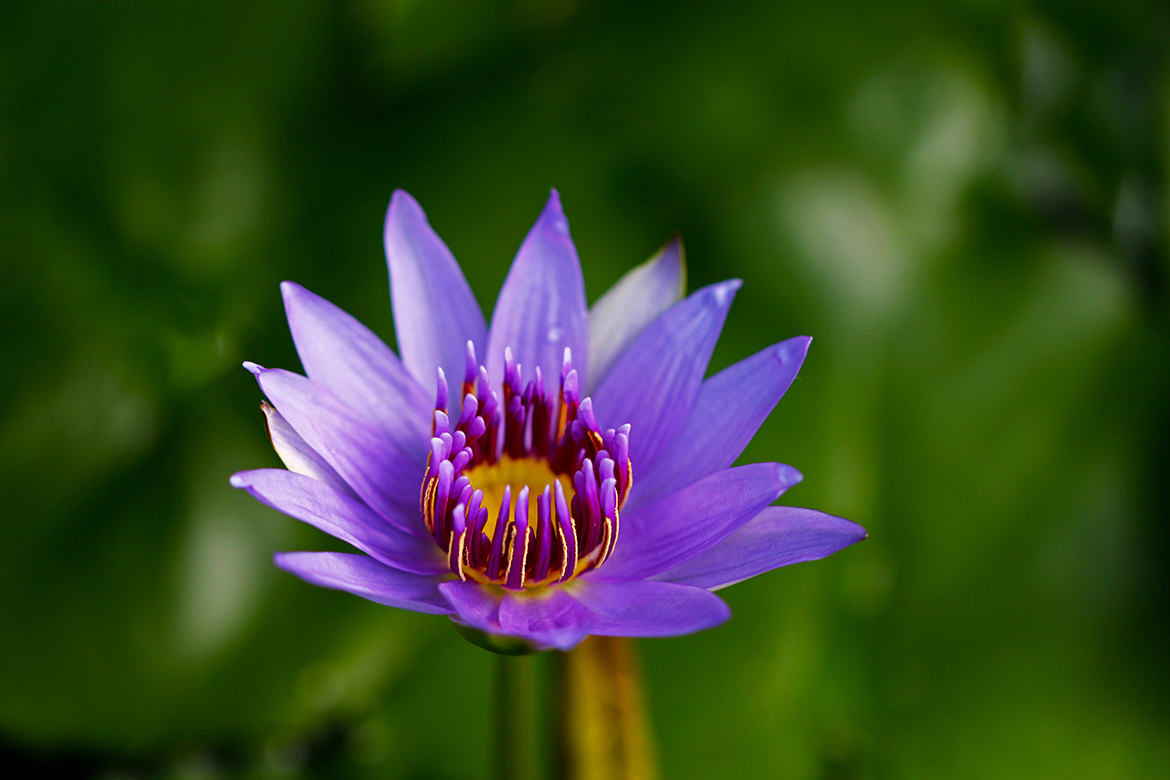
(525, 435)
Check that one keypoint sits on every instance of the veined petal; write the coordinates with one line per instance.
(344, 356)
(343, 517)
(554, 619)
(778, 536)
(677, 527)
(638, 297)
(541, 308)
(365, 577)
(654, 382)
(382, 474)
(435, 313)
(645, 608)
(730, 408)
(296, 455)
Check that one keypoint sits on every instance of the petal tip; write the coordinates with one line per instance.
(255, 369)
(553, 216)
(786, 476)
(290, 291)
(673, 255)
(794, 349)
(403, 208)
(722, 293)
(400, 199)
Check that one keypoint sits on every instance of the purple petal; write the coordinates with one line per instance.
(296, 455)
(365, 577)
(631, 304)
(677, 527)
(647, 609)
(344, 356)
(384, 476)
(553, 619)
(729, 410)
(541, 308)
(653, 384)
(343, 517)
(474, 605)
(778, 536)
(435, 314)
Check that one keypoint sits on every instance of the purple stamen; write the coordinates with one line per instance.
(476, 428)
(544, 534)
(455, 550)
(470, 408)
(568, 533)
(471, 368)
(518, 560)
(441, 391)
(462, 458)
(493, 567)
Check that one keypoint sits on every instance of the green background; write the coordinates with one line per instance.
(964, 204)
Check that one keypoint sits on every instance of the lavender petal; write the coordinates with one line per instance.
(553, 620)
(778, 536)
(343, 517)
(382, 474)
(730, 408)
(365, 577)
(638, 297)
(298, 456)
(344, 356)
(646, 608)
(435, 312)
(541, 307)
(473, 604)
(655, 381)
(679, 526)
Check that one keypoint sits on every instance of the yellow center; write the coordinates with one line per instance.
(517, 472)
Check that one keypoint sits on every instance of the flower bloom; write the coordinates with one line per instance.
(577, 480)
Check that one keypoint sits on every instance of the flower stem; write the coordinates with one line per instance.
(604, 731)
(516, 732)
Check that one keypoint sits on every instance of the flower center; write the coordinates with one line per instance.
(523, 490)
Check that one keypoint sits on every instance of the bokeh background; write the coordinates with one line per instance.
(964, 203)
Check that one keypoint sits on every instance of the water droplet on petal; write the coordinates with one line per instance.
(554, 334)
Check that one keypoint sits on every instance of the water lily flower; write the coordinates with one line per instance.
(563, 472)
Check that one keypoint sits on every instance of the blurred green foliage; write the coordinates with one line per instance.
(965, 204)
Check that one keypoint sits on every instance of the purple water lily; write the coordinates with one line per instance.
(576, 481)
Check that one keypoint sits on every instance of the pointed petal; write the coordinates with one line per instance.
(344, 356)
(730, 408)
(541, 308)
(379, 471)
(778, 536)
(435, 313)
(365, 577)
(646, 609)
(631, 304)
(677, 527)
(653, 384)
(554, 619)
(296, 455)
(343, 517)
